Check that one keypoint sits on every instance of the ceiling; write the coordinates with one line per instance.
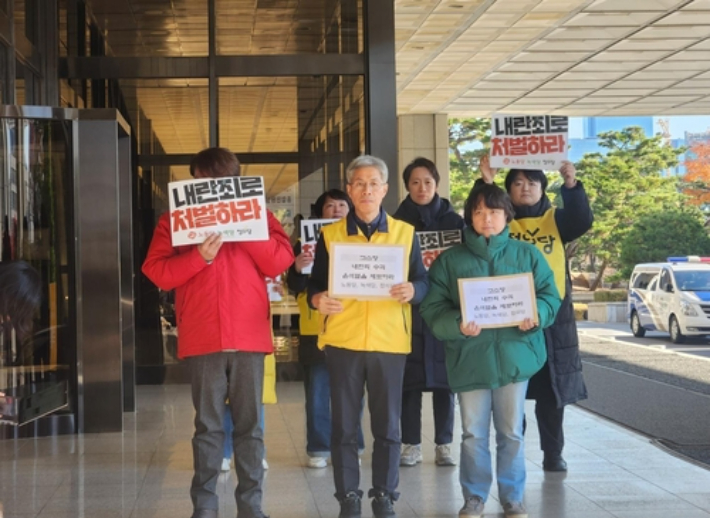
(459, 57)
(570, 57)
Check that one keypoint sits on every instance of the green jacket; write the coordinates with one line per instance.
(498, 356)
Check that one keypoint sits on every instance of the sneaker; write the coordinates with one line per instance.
(383, 506)
(265, 464)
(226, 465)
(317, 462)
(472, 507)
(554, 462)
(443, 456)
(411, 455)
(515, 510)
(350, 506)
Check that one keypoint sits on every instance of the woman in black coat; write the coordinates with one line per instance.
(425, 369)
(560, 380)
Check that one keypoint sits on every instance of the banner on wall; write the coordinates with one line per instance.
(529, 141)
(234, 207)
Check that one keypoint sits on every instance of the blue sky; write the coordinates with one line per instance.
(678, 125)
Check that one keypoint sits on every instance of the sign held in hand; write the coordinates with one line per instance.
(365, 272)
(502, 301)
(234, 206)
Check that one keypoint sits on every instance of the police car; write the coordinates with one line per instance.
(673, 296)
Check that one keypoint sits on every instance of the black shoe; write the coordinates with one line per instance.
(350, 506)
(383, 506)
(554, 462)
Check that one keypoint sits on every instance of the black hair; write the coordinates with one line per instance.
(420, 162)
(333, 194)
(20, 296)
(534, 175)
(215, 162)
(493, 196)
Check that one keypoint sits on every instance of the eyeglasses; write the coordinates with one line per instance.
(372, 186)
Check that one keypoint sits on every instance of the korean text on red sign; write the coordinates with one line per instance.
(310, 231)
(234, 207)
(435, 242)
(529, 141)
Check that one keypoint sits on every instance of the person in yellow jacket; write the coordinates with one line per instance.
(332, 204)
(366, 342)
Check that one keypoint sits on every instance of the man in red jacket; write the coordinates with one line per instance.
(224, 331)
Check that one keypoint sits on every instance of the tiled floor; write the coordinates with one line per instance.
(145, 472)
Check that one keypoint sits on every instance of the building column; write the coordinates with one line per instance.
(425, 135)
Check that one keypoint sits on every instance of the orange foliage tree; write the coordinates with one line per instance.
(696, 182)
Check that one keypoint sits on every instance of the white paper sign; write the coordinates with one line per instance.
(529, 141)
(234, 207)
(365, 272)
(434, 242)
(503, 301)
(310, 231)
(274, 287)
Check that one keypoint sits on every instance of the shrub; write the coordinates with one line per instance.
(610, 296)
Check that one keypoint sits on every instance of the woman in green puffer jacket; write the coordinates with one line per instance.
(490, 368)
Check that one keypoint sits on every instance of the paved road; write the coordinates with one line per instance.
(650, 384)
(622, 333)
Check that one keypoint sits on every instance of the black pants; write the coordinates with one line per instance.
(550, 418)
(443, 403)
(382, 373)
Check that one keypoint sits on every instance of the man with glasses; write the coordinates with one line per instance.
(366, 342)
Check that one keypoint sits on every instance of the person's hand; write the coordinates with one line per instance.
(303, 260)
(527, 325)
(402, 292)
(470, 329)
(569, 174)
(487, 172)
(327, 305)
(209, 248)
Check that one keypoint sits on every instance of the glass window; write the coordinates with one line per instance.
(695, 280)
(36, 213)
(173, 114)
(286, 27)
(148, 29)
(642, 279)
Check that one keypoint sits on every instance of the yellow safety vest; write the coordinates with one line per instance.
(373, 325)
(309, 321)
(542, 232)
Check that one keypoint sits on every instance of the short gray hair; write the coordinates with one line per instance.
(366, 161)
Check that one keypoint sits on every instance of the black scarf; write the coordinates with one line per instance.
(420, 216)
(533, 211)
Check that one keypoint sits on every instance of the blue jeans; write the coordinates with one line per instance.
(229, 429)
(507, 406)
(316, 382)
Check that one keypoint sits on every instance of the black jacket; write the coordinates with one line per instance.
(564, 363)
(563, 359)
(426, 367)
(308, 352)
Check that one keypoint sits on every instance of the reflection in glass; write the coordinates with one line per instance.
(280, 27)
(35, 183)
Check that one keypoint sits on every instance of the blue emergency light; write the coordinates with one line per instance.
(689, 259)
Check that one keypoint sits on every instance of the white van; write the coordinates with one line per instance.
(672, 297)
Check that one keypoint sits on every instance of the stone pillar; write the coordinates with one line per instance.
(425, 135)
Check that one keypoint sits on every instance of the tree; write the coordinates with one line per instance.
(469, 140)
(659, 235)
(696, 182)
(624, 185)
